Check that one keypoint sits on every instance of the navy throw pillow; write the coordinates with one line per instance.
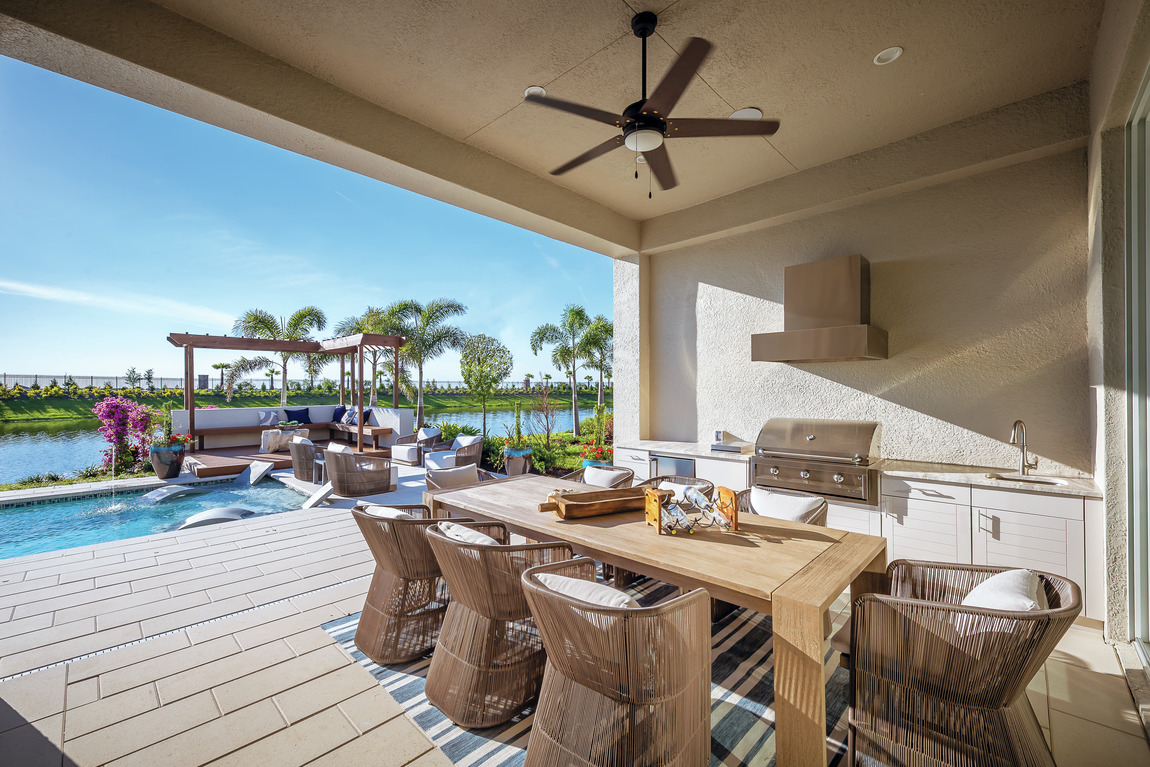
(337, 414)
(298, 414)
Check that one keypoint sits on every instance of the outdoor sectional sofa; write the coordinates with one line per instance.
(240, 426)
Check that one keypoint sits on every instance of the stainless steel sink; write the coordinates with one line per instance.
(1030, 478)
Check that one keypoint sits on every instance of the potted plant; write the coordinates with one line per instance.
(516, 451)
(168, 459)
(596, 453)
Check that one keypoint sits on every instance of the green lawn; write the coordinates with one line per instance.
(63, 409)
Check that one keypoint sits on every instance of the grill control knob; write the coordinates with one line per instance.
(775, 470)
(805, 474)
(838, 478)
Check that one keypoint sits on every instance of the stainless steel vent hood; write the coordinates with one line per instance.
(826, 315)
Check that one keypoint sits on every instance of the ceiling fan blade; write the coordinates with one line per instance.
(694, 127)
(678, 77)
(660, 163)
(591, 113)
(590, 154)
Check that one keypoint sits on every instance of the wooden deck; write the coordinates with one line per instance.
(228, 461)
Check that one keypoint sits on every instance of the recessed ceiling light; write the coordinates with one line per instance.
(747, 113)
(887, 56)
(535, 90)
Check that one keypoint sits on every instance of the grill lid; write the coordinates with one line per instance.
(852, 441)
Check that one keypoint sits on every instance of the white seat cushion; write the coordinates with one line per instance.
(460, 476)
(602, 476)
(677, 489)
(586, 591)
(302, 440)
(444, 459)
(466, 534)
(795, 508)
(406, 453)
(1014, 590)
(464, 440)
(425, 432)
(388, 512)
(340, 449)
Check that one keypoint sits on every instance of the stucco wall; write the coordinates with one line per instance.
(980, 283)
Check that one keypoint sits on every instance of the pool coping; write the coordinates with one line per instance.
(9, 498)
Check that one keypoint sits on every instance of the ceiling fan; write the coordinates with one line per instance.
(647, 123)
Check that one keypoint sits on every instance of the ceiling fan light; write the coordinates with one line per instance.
(644, 140)
(886, 56)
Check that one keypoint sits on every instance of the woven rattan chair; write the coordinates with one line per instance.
(936, 683)
(303, 456)
(408, 597)
(706, 487)
(489, 661)
(623, 685)
(439, 479)
(464, 450)
(354, 475)
(818, 516)
(411, 448)
(623, 481)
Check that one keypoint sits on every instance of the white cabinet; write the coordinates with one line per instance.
(638, 461)
(724, 473)
(854, 517)
(935, 530)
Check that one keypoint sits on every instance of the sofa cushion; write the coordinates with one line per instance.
(269, 417)
(298, 414)
(586, 591)
(337, 414)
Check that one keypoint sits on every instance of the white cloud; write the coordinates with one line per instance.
(120, 302)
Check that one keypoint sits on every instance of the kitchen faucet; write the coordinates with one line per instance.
(1018, 437)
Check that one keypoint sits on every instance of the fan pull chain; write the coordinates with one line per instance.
(649, 185)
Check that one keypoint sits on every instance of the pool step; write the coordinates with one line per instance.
(170, 492)
(256, 471)
(319, 496)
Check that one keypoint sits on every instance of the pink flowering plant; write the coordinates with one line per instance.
(128, 428)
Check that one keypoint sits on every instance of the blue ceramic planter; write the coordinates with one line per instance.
(589, 462)
(516, 461)
(167, 460)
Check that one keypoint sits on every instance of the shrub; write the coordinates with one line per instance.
(95, 471)
(493, 453)
(452, 430)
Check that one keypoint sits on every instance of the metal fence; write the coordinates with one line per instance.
(213, 381)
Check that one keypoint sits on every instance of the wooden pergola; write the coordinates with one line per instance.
(353, 347)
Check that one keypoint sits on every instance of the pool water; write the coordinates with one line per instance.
(37, 528)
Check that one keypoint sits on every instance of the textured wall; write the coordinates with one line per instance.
(980, 283)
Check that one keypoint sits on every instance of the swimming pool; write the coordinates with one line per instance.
(39, 527)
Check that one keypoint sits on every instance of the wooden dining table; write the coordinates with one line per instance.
(789, 570)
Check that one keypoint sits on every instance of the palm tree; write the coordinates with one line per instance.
(221, 366)
(314, 364)
(527, 382)
(257, 323)
(569, 340)
(428, 336)
(601, 345)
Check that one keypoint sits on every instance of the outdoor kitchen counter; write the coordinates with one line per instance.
(976, 476)
(686, 449)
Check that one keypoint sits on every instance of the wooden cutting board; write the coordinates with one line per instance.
(594, 503)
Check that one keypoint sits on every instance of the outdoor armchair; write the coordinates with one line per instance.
(489, 661)
(303, 454)
(793, 505)
(407, 599)
(936, 683)
(614, 476)
(354, 475)
(459, 476)
(623, 685)
(464, 450)
(677, 484)
(410, 448)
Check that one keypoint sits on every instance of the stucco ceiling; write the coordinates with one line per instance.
(460, 68)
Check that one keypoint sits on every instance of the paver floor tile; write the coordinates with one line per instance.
(370, 708)
(24, 625)
(323, 692)
(12, 585)
(284, 675)
(35, 744)
(58, 633)
(160, 575)
(125, 565)
(1080, 742)
(292, 624)
(433, 758)
(110, 709)
(152, 609)
(82, 693)
(218, 672)
(1101, 698)
(356, 588)
(296, 745)
(237, 623)
(207, 612)
(31, 697)
(111, 605)
(72, 648)
(293, 588)
(312, 639)
(1083, 646)
(131, 735)
(209, 741)
(397, 742)
(181, 658)
(126, 656)
(209, 577)
(45, 593)
(253, 584)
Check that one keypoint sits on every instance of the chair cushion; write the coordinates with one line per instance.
(677, 489)
(466, 534)
(337, 414)
(443, 459)
(409, 453)
(794, 508)
(300, 414)
(459, 476)
(302, 440)
(602, 476)
(340, 449)
(1013, 590)
(388, 512)
(426, 432)
(269, 417)
(586, 591)
(464, 440)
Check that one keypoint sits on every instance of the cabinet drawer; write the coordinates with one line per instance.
(929, 491)
(1043, 504)
(931, 530)
(637, 461)
(1015, 539)
(854, 518)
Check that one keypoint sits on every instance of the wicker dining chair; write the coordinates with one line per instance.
(623, 480)
(459, 476)
(704, 486)
(489, 661)
(623, 685)
(303, 455)
(354, 475)
(411, 448)
(937, 683)
(408, 597)
(793, 505)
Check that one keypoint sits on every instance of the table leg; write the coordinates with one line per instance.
(800, 688)
(872, 580)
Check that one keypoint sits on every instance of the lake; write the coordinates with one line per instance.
(65, 447)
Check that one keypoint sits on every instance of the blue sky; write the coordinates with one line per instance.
(121, 222)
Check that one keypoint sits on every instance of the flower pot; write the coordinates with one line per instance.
(592, 462)
(167, 460)
(516, 461)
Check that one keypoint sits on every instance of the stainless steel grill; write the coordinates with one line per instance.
(837, 459)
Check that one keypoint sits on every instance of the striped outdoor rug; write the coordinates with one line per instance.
(742, 692)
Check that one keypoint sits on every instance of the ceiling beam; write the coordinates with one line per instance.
(238, 343)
